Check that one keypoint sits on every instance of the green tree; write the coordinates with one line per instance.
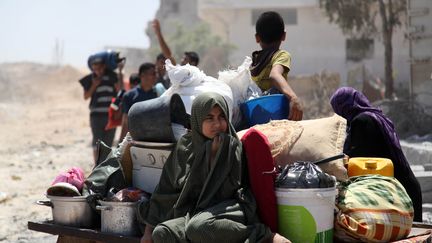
(213, 52)
(364, 18)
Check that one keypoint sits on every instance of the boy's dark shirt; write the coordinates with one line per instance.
(135, 95)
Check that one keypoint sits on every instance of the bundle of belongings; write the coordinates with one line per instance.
(189, 81)
(370, 208)
(373, 208)
(307, 140)
(111, 179)
(129, 194)
(303, 175)
(68, 183)
(282, 143)
(109, 175)
(242, 86)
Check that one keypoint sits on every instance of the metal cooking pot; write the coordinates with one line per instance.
(119, 218)
(70, 211)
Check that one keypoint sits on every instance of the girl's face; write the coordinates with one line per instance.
(214, 123)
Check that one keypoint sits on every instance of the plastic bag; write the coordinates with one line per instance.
(129, 194)
(242, 86)
(189, 81)
(304, 175)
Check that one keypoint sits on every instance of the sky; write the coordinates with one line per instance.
(31, 28)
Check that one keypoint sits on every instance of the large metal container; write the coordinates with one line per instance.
(119, 218)
(70, 211)
(148, 160)
(151, 120)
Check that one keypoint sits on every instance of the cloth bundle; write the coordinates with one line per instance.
(74, 176)
(189, 81)
(242, 86)
(373, 208)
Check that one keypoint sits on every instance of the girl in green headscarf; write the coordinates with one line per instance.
(201, 195)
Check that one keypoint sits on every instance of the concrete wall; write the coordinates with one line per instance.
(314, 43)
(172, 13)
(420, 20)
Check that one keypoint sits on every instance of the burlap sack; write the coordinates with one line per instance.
(281, 134)
(308, 140)
(321, 138)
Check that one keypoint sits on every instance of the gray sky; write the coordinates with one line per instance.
(30, 28)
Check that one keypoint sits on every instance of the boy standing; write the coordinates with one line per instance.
(146, 90)
(162, 75)
(270, 66)
(100, 86)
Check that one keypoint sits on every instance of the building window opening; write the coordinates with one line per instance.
(359, 49)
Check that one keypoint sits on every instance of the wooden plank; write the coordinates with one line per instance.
(95, 235)
(71, 239)
(89, 234)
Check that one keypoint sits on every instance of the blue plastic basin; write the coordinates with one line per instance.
(265, 108)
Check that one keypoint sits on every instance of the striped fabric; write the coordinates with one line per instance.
(101, 97)
(373, 208)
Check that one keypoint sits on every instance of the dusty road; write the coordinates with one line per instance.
(44, 130)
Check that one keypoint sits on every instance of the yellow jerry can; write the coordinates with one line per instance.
(364, 166)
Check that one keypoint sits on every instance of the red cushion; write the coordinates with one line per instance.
(260, 160)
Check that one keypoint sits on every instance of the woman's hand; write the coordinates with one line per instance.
(215, 146)
(147, 237)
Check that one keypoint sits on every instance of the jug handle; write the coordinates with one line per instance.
(102, 208)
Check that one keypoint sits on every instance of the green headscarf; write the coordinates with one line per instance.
(187, 184)
(201, 107)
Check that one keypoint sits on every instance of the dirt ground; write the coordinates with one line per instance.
(45, 130)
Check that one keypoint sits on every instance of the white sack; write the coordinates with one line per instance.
(189, 81)
(242, 86)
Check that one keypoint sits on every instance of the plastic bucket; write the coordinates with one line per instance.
(306, 215)
(265, 108)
